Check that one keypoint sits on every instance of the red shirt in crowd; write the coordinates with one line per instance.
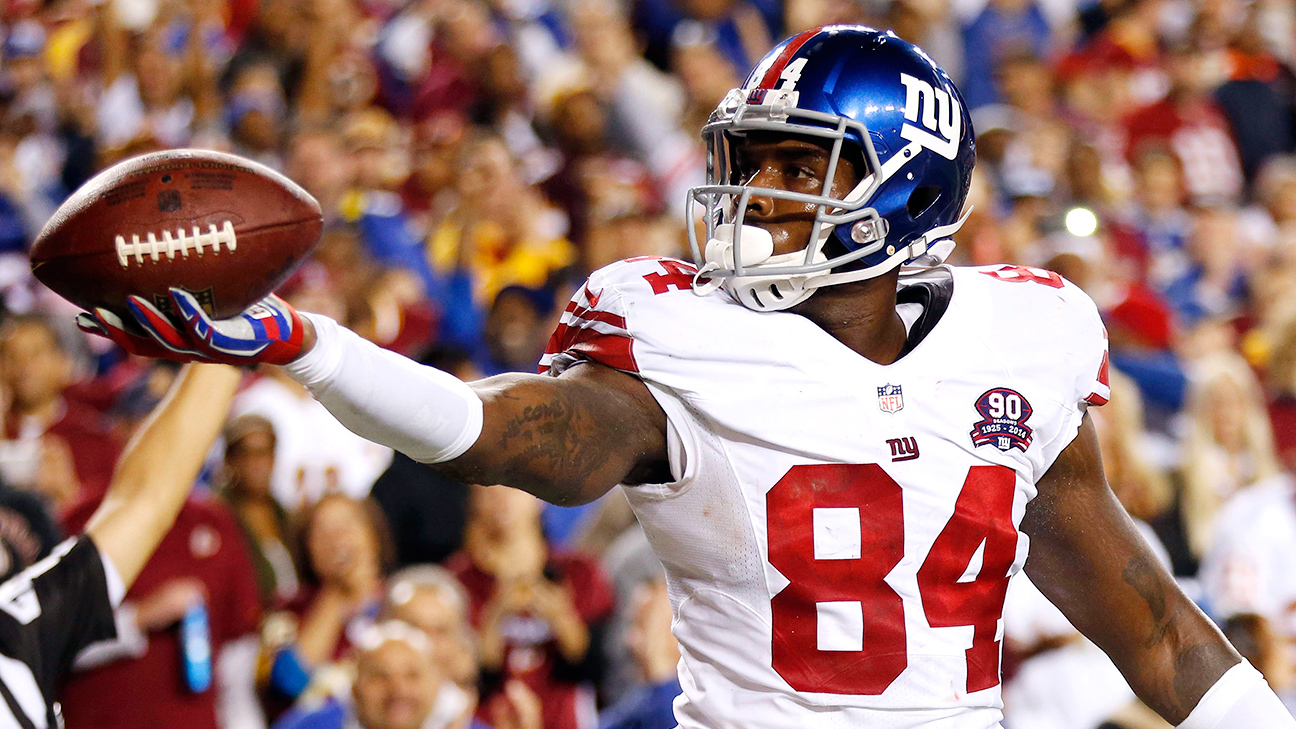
(94, 449)
(1196, 133)
(531, 653)
(150, 691)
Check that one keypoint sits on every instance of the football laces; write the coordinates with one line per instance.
(153, 246)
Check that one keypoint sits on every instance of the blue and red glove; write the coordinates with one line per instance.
(130, 337)
(269, 332)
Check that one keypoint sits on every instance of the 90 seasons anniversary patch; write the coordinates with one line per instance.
(1004, 413)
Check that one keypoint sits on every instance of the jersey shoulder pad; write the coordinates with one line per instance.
(597, 323)
(645, 276)
(1050, 314)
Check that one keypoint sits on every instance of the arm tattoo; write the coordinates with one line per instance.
(553, 440)
(1198, 660)
(1142, 575)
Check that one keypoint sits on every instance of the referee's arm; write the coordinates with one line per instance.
(158, 467)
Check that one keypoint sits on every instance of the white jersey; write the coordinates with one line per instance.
(839, 534)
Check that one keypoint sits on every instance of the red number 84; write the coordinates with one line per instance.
(839, 627)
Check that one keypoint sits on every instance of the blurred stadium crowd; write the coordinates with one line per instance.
(474, 160)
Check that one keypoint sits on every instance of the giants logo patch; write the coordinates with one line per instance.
(903, 449)
(1003, 420)
(938, 112)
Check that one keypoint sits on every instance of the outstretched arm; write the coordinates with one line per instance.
(566, 439)
(1090, 561)
(159, 466)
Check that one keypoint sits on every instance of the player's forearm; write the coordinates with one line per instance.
(1095, 567)
(1168, 651)
(561, 439)
(1176, 662)
(1090, 560)
(1185, 670)
(159, 466)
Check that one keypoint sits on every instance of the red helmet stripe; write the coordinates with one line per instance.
(776, 69)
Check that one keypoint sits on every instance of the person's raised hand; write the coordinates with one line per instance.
(517, 707)
(168, 603)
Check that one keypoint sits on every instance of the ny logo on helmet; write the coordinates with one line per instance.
(937, 110)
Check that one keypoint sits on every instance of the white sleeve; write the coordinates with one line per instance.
(1240, 699)
(116, 585)
(131, 642)
(429, 415)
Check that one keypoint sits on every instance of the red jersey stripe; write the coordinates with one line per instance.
(614, 350)
(579, 312)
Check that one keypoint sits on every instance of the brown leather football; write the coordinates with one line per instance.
(225, 228)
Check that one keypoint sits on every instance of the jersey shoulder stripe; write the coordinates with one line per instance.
(595, 324)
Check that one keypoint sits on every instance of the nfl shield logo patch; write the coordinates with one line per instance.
(890, 399)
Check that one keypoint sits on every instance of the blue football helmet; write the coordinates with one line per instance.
(874, 97)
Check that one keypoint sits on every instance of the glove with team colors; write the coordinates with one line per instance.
(131, 338)
(268, 332)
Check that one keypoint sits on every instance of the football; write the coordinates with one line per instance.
(224, 228)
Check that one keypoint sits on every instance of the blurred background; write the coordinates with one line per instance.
(475, 159)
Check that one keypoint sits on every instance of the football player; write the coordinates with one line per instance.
(840, 448)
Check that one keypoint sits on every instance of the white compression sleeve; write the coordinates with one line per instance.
(1240, 699)
(429, 415)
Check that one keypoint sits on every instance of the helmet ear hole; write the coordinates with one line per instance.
(921, 199)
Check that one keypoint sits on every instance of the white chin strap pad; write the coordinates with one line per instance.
(770, 293)
(754, 248)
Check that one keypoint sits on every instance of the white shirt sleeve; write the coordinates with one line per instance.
(116, 585)
(131, 642)
(237, 706)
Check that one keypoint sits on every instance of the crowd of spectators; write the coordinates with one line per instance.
(474, 160)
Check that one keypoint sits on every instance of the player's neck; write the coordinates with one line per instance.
(862, 316)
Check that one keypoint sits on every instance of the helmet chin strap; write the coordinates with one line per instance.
(757, 292)
(928, 250)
